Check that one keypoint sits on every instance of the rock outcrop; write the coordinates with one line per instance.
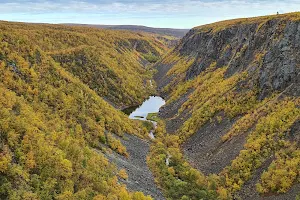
(267, 48)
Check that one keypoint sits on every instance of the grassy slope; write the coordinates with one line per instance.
(50, 120)
(112, 63)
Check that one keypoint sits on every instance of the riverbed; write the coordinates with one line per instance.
(140, 177)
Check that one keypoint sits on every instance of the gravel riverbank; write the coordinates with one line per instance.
(140, 177)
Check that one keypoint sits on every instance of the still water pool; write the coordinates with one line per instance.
(151, 105)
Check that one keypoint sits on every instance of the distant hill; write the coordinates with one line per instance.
(179, 33)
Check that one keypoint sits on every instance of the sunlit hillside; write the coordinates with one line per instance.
(55, 82)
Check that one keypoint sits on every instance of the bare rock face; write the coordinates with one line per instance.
(140, 177)
(268, 50)
(205, 151)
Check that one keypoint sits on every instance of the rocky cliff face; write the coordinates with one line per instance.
(208, 81)
(274, 42)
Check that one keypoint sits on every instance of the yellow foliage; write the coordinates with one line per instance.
(5, 160)
(52, 114)
(30, 163)
(123, 174)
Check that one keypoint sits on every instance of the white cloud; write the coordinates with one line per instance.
(175, 6)
(148, 12)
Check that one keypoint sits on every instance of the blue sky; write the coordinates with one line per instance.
(156, 13)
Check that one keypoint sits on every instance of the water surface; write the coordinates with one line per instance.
(151, 105)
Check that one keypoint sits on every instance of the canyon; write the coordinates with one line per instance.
(227, 126)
